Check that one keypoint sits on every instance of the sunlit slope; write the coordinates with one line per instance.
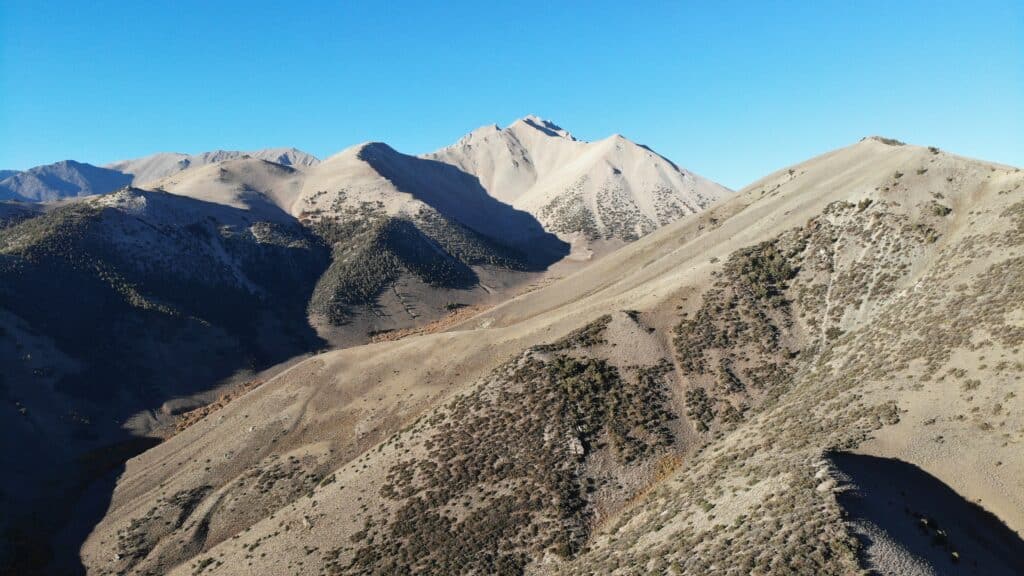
(847, 297)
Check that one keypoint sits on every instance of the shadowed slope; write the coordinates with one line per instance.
(459, 196)
(391, 217)
(111, 306)
(914, 524)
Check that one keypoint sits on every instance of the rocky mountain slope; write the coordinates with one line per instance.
(121, 313)
(413, 236)
(395, 218)
(589, 192)
(100, 302)
(755, 389)
(60, 180)
(489, 204)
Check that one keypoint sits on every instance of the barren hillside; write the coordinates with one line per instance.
(120, 311)
(261, 186)
(720, 396)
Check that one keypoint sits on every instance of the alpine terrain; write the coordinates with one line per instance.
(140, 298)
(819, 374)
(596, 194)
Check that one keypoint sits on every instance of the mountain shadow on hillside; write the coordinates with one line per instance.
(108, 309)
(910, 522)
(459, 196)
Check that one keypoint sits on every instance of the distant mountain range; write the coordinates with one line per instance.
(516, 200)
(65, 179)
(610, 190)
(70, 179)
(129, 291)
(149, 168)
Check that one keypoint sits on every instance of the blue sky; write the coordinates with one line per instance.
(729, 89)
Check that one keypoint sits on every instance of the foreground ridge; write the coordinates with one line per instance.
(701, 401)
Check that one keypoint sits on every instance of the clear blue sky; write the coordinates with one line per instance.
(729, 89)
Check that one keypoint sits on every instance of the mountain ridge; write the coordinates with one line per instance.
(610, 189)
(774, 359)
(163, 164)
(371, 241)
(100, 300)
(589, 193)
(73, 179)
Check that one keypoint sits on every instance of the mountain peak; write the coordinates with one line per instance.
(362, 151)
(884, 140)
(545, 126)
(591, 192)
